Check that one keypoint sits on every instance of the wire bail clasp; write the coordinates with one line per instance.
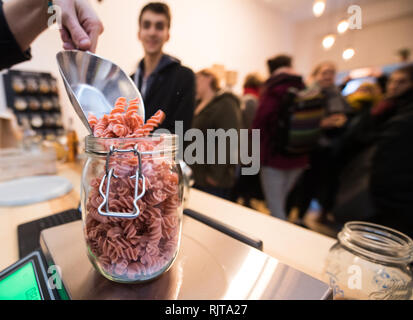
(109, 174)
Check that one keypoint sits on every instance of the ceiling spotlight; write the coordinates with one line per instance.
(342, 26)
(318, 7)
(348, 53)
(328, 41)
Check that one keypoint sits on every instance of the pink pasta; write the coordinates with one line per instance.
(139, 248)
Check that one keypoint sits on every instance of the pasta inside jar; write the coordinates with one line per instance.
(132, 190)
(132, 249)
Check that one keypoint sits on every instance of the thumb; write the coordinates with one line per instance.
(78, 35)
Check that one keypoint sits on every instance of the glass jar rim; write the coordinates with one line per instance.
(101, 146)
(377, 242)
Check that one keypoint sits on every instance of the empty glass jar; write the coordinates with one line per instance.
(132, 206)
(370, 261)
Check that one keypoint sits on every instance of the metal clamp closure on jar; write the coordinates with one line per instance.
(109, 173)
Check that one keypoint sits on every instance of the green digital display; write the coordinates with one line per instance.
(20, 285)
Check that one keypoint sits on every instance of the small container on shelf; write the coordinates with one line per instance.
(34, 103)
(20, 104)
(53, 85)
(47, 104)
(49, 120)
(36, 120)
(44, 86)
(32, 85)
(18, 84)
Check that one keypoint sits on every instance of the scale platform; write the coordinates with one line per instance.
(210, 266)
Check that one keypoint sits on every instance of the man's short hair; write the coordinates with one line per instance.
(253, 80)
(279, 62)
(159, 8)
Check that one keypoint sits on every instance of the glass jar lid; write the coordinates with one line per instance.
(377, 242)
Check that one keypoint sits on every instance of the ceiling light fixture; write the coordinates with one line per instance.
(348, 53)
(328, 41)
(318, 7)
(342, 26)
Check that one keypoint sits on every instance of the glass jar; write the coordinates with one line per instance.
(132, 206)
(370, 262)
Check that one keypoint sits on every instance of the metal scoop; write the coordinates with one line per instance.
(93, 84)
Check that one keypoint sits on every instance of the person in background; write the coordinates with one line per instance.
(163, 82)
(278, 173)
(364, 98)
(336, 109)
(249, 100)
(314, 181)
(376, 161)
(215, 110)
(382, 82)
(248, 186)
(21, 21)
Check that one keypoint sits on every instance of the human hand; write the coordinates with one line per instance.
(81, 26)
(334, 121)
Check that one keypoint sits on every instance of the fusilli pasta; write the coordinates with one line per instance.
(134, 248)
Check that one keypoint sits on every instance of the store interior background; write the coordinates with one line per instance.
(242, 35)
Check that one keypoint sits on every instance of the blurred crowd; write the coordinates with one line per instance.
(357, 163)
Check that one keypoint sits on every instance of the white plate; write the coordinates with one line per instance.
(34, 189)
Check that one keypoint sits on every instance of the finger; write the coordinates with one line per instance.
(68, 46)
(67, 41)
(95, 29)
(77, 34)
(64, 34)
(93, 35)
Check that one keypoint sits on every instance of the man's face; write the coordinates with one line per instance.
(153, 32)
(398, 84)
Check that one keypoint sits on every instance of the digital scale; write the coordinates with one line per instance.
(230, 262)
(28, 279)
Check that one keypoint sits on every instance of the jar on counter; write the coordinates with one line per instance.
(132, 206)
(370, 261)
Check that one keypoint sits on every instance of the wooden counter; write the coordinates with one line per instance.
(300, 248)
(11, 217)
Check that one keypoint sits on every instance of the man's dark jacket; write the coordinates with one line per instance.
(171, 88)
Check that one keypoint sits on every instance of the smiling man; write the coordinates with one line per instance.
(163, 82)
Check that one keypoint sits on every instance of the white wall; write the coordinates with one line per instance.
(240, 34)
(387, 27)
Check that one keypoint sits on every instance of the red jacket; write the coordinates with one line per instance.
(266, 118)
